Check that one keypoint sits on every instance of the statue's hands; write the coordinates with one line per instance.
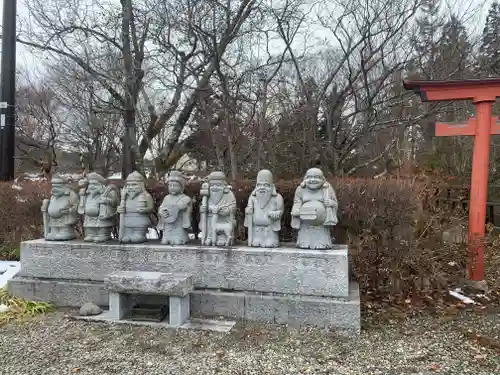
(203, 208)
(164, 212)
(120, 209)
(64, 210)
(223, 210)
(82, 192)
(329, 203)
(249, 210)
(213, 209)
(104, 200)
(274, 215)
(295, 212)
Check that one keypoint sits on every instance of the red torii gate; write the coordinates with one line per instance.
(483, 93)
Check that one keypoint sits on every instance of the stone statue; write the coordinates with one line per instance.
(175, 212)
(60, 212)
(218, 210)
(98, 204)
(135, 210)
(263, 213)
(314, 211)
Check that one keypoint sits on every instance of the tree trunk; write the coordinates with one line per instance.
(129, 143)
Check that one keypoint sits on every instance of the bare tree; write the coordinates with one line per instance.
(38, 118)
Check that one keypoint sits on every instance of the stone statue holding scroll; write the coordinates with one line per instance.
(314, 211)
(218, 210)
(175, 212)
(98, 204)
(136, 206)
(263, 213)
(60, 212)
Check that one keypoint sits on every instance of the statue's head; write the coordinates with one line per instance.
(314, 179)
(265, 183)
(217, 182)
(96, 183)
(59, 186)
(135, 183)
(175, 183)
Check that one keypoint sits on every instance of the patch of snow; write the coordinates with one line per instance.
(17, 187)
(456, 293)
(7, 271)
(3, 308)
(152, 234)
(115, 176)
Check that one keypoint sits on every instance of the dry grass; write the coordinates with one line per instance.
(20, 309)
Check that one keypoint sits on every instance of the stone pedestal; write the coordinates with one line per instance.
(280, 285)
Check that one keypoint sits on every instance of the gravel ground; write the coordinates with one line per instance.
(465, 344)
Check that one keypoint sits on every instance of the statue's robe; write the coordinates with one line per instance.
(221, 220)
(56, 218)
(265, 231)
(135, 219)
(313, 234)
(178, 222)
(101, 215)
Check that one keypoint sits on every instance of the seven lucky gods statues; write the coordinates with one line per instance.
(314, 211)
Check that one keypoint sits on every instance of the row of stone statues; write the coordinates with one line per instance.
(314, 211)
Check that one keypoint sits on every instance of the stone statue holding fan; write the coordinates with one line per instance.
(314, 211)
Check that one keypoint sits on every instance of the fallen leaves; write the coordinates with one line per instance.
(435, 367)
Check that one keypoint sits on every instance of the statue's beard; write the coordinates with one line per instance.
(263, 197)
(216, 195)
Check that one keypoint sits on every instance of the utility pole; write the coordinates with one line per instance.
(8, 91)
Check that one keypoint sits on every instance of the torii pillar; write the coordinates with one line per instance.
(483, 93)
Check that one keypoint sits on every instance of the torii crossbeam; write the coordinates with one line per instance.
(483, 93)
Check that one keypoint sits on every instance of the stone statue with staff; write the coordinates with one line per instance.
(135, 210)
(218, 211)
(98, 204)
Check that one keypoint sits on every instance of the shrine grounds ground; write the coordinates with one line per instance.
(463, 343)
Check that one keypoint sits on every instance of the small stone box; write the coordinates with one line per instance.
(177, 286)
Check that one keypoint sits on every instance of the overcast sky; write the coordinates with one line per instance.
(26, 59)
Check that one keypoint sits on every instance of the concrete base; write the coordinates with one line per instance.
(204, 324)
(342, 313)
(284, 270)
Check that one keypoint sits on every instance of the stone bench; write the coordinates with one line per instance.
(124, 284)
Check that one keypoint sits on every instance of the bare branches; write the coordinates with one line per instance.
(284, 84)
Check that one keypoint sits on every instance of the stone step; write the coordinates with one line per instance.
(341, 313)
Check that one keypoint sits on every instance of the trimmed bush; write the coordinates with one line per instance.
(381, 220)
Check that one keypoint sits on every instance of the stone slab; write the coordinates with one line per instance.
(341, 313)
(134, 282)
(223, 326)
(282, 270)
